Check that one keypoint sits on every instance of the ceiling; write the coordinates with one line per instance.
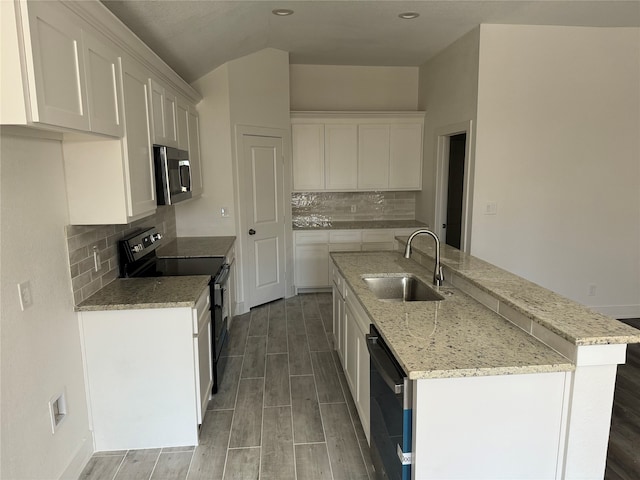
(195, 37)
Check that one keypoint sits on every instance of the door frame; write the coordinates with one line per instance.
(442, 177)
(242, 225)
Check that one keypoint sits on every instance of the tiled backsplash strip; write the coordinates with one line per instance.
(322, 208)
(81, 239)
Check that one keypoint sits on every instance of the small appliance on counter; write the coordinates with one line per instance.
(173, 175)
(138, 258)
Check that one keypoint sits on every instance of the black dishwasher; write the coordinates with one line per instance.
(391, 412)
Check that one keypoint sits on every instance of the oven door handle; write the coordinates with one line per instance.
(384, 365)
(218, 284)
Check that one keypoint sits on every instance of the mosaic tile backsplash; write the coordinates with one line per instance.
(322, 208)
(81, 239)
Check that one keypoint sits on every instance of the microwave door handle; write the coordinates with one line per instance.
(183, 185)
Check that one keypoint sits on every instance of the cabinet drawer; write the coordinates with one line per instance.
(307, 237)
(344, 247)
(377, 236)
(344, 236)
(378, 246)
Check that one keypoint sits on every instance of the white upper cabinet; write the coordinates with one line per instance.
(373, 156)
(341, 156)
(405, 156)
(163, 115)
(193, 132)
(308, 156)
(182, 134)
(55, 66)
(111, 181)
(104, 95)
(138, 153)
(349, 151)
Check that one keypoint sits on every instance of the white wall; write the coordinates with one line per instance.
(558, 150)
(248, 91)
(448, 91)
(40, 347)
(202, 216)
(340, 87)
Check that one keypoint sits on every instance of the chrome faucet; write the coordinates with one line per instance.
(438, 276)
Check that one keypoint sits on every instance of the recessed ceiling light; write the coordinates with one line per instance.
(409, 15)
(282, 12)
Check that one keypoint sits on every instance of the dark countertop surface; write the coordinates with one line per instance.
(358, 224)
(190, 247)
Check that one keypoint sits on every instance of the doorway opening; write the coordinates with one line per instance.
(454, 185)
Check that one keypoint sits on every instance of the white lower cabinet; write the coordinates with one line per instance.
(148, 375)
(312, 249)
(350, 327)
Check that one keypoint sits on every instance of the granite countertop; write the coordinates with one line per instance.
(456, 337)
(570, 320)
(358, 224)
(153, 292)
(188, 247)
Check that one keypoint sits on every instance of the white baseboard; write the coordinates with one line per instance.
(80, 459)
(619, 311)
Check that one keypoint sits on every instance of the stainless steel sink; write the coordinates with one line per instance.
(401, 288)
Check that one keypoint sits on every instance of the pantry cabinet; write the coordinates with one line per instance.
(357, 151)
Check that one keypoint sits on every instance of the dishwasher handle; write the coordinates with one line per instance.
(384, 364)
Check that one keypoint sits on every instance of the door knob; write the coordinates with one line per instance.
(252, 231)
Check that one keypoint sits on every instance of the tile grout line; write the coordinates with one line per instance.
(119, 466)
(324, 432)
(293, 444)
(155, 464)
(235, 404)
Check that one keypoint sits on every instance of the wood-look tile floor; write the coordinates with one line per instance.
(623, 455)
(284, 410)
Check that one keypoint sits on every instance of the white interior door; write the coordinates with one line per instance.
(265, 224)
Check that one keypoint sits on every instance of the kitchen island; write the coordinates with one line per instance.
(509, 379)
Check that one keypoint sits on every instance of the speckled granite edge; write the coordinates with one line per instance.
(453, 338)
(570, 320)
(140, 293)
(193, 247)
(361, 225)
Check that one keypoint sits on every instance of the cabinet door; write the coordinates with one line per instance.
(193, 132)
(104, 96)
(363, 402)
(169, 111)
(312, 266)
(373, 157)
(351, 350)
(139, 172)
(182, 132)
(338, 307)
(57, 89)
(341, 157)
(156, 107)
(405, 158)
(308, 157)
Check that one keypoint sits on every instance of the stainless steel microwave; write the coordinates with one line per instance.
(173, 175)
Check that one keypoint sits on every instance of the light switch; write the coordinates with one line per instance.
(491, 208)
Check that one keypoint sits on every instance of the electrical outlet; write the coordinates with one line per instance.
(24, 293)
(353, 209)
(592, 289)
